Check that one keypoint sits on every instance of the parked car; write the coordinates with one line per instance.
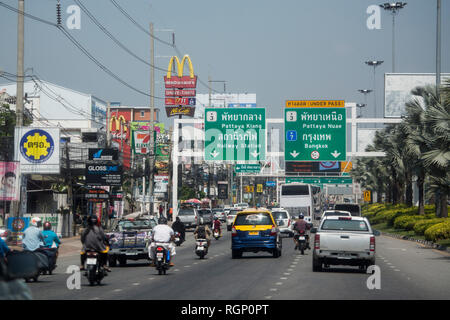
(230, 217)
(343, 241)
(129, 240)
(206, 216)
(255, 230)
(284, 221)
(328, 213)
(353, 208)
(219, 213)
(189, 216)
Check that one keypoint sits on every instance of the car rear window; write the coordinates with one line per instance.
(347, 207)
(204, 212)
(345, 225)
(234, 212)
(253, 219)
(186, 212)
(336, 213)
(295, 191)
(279, 215)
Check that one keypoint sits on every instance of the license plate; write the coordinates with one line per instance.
(177, 239)
(91, 261)
(200, 248)
(159, 255)
(254, 233)
(132, 253)
(302, 238)
(344, 256)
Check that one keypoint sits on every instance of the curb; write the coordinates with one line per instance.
(428, 244)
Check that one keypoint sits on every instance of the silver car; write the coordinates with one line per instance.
(284, 222)
(230, 217)
(189, 216)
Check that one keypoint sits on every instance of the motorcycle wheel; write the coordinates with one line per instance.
(91, 276)
(303, 251)
(159, 272)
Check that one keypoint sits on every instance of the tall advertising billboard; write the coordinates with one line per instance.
(398, 86)
(9, 181)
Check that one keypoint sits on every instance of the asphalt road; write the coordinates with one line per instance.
(408, 271)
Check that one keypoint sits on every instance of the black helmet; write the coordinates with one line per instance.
(92, 220)
(47, 225)
(162, 220)
(301, 216)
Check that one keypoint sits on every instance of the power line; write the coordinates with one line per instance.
(105, 31)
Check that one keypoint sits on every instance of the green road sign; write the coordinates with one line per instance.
(235, 134)
(315, 134)
(321, 180)
(248, 168)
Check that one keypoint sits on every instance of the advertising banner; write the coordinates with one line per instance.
(103, 174)
(37, 150)
(180, 111)
(97, 154)
(179, 101)
(181, 92)
(17, 226)
(9, 181)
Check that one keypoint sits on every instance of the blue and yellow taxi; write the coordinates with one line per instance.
(255, 230)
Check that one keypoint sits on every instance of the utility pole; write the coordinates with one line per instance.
(108, 119)
(20, 63)
(438, 48)
(152, 114)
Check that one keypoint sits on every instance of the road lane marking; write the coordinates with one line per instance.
(287, 274)
(152, 278)
(117, 290)
(273, 289)
(290, 270)
(279, 283)
(396, 270)
(136, 284)
(268, 297)
(283, 278)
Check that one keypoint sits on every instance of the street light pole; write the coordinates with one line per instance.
(438, 48)
(393, 8)
(374, 64)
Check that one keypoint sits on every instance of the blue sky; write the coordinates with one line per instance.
(280, 50)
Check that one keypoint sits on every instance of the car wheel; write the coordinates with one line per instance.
(236, 254)
(122, 261)
(112, 261)
(228, 228)
(276, 253)
(317, 265)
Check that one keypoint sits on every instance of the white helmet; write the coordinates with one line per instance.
(35, 221)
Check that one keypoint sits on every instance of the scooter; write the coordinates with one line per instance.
(162, 259)
(301, 239)
(178, 240)
(216, 234)
(94, 269)
(201, 247)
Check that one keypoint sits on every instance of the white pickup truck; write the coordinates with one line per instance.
(341, 240)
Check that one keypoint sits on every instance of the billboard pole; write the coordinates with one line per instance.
(152, 114)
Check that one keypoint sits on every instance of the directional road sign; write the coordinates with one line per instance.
(235, 134)
(315, 134)
(248, 168)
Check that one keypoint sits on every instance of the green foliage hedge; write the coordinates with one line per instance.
(438, 231)
(422, 225)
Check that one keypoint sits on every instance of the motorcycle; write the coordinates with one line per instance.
(52, 255)
(301, 238)
(201, 248)
(94, 269)
(216, 234)
(178, 239)
(162, 258)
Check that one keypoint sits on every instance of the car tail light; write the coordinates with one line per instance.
(372, 244)
(159, 249)
(233, 232)
(317, 241)
(289, 222)
(273, 232)
(345, 218)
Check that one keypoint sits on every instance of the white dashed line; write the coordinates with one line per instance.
(396, 270)
(153, 277)
(283, 278)
(117, 290)
(287, 274)
(136, 284)
(273, 289)
(268, 297)
(279, 283)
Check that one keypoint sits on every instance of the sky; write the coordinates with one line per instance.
(280, 50)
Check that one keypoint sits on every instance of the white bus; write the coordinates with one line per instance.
(299, 198)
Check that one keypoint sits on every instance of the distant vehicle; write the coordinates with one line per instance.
(189, 216)
(353, 208)
(328, 213)
(298, 198)
(230, 217)
(242, 205)
(343, 241)
(129, 240)
(284, 221)
(219, 213)
(206, 216)
(255, 230)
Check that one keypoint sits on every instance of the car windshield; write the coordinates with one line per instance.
(253, 219)
(204, 212)
(233, 212)
(295, 191)
(136, 224)
(186, 212)
(345, 225)
(336, 213)
(279, 215)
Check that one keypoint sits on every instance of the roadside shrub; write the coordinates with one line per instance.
(407, 222)
(439, 231)
(422, 225)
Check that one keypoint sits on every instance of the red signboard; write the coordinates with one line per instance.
(180, 101)
(180, 93)
(180, 82)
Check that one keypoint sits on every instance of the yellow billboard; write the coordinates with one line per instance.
(315, 103)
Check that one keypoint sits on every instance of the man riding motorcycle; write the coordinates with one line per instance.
(33, 238)
(178, 226)
(94, 239)
(216, 226)
(302, 225)
(203, 232)
(163, 235)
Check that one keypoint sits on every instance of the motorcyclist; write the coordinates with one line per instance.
(302, 225)
(4, 249)
(33, 237)
(203, 232)
(94, 239)
(163, 235)
(216, 226)
(50, 237)
(178, 226)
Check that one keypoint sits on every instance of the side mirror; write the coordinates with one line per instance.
(376, 233)
(314, 230)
